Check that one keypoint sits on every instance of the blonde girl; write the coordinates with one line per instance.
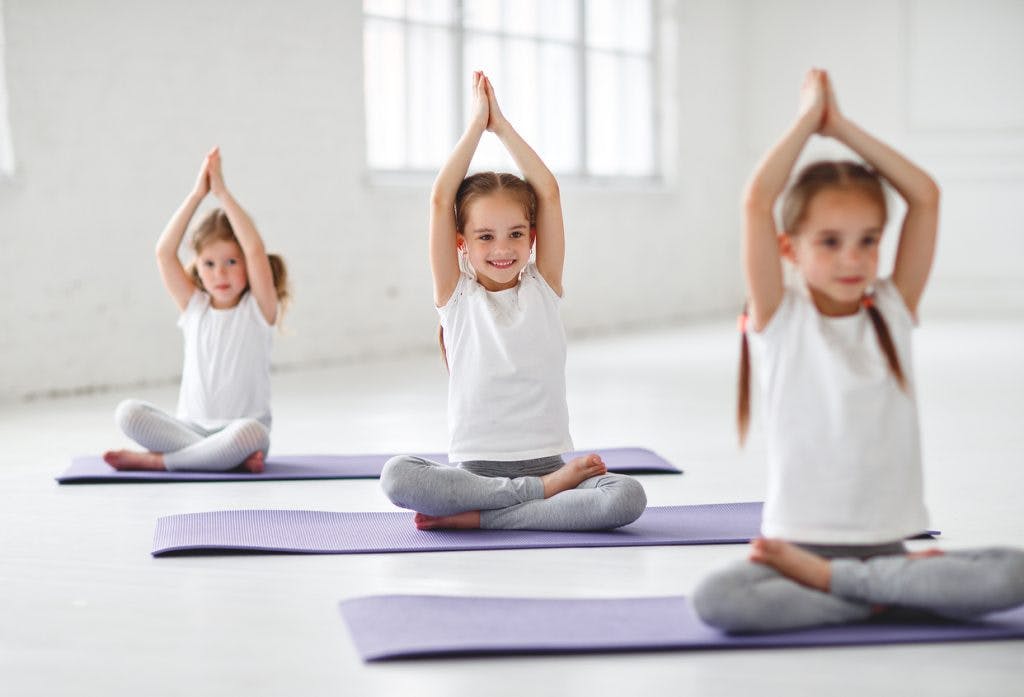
(504, 344)
(844, 463)
(230, 298)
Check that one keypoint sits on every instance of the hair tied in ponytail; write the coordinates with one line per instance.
(743, 382)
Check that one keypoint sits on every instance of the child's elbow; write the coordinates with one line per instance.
(756, 200)
(440, 199)
(548, 192)
(930, 194)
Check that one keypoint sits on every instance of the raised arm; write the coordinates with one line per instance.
(257, 265)
(916, 248)
(444, 255)
(550, 227)
(177, 281)
(762, 263)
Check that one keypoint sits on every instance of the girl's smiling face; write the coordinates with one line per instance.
(497, 240)
(835, 248)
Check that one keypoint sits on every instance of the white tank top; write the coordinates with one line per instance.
(506, 362)
(226, 373)
(844, 460)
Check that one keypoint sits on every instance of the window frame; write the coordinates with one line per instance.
(582, 173)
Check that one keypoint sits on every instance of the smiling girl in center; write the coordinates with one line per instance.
(504, 344)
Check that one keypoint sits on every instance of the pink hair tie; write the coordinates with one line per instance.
(867, 301)
(741, 323)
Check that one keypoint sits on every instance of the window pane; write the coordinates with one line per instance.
(437, 11)
(518, 92)
(637, 117)
(619, 24)
(431, 113)
(481, 52)
(602, 22)
(635, 25)
(559, 109)
(520, 17)
(384, 76)
(604, 88)
(384, 8)
(557, 20)
(482, 14)
(620, 111)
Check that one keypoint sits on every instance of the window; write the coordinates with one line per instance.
(575, 77)
(6, 150)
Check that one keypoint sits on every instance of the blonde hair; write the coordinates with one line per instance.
(215, 227)
(812, 180)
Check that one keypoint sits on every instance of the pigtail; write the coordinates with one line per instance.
(280, 273)
(884, 339)
(743, 382)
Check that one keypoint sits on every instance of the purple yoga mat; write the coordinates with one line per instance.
(330, 532)
(91, 469)
(404, 626)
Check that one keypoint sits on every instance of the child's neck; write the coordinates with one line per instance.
(493, 286)
(831, 307)
(224, 304)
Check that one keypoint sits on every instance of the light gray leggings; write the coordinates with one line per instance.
(510, 495)
(187, 446)
(747, 597)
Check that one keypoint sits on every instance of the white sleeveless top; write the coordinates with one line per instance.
(506, 361)
(844, 460)
(226, 373)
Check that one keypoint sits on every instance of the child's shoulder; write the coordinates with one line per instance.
(891, 303)
(197, 303)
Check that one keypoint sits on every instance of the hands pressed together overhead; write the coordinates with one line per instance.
(818, 103)
(211, 175)
(486, 112)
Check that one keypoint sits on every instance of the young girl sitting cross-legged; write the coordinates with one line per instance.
(229, 298)
(844, 464)
(504, 344)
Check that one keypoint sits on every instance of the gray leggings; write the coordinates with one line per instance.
(187, 446)
(510, 495)
(749, 597)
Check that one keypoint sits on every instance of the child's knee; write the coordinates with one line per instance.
(632, 500)
(127, 411)
(254, 434)
(1009, 578)
(719, 600)
(393, 477)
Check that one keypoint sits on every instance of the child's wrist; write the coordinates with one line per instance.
(502, 128)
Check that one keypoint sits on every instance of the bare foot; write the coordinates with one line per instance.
(254, 463)
(572, 473)
(925, 554)
(470, 520)
(134, 460)
(793, 562)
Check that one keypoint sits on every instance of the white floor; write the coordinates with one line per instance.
(85, 610)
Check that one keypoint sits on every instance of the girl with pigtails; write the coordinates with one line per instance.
(504, 345)
(834, 366)
(230, 298)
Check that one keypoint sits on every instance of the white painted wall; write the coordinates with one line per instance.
(113, 102)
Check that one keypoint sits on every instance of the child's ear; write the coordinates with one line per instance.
(460, 241)
(786, 248)
(533, 234)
